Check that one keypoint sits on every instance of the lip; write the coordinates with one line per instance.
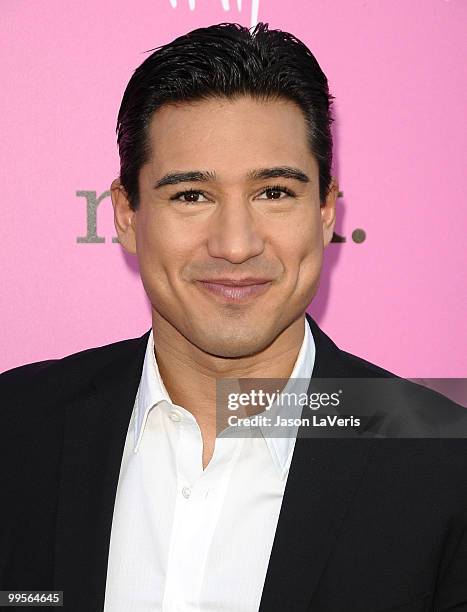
(236, 282)
(235, 290)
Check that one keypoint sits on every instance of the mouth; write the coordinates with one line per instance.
(235, 290)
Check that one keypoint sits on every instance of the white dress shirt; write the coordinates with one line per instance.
(186, 539)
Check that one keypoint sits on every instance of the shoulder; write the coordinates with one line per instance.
(360, 367)
(395, 406)
(406, 408)
(65, 376)
(333, 362)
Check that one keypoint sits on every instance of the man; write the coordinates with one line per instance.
(116, 488)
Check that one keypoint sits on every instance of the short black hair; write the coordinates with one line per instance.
(225, 60)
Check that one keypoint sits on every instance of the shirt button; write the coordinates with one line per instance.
(186, 492)
(175, 416)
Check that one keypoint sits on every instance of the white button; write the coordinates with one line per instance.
(186, 492)
(175, 416)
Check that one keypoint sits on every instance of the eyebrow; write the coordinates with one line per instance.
(173, 178)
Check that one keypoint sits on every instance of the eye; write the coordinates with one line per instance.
(189, 197)
(276, 192)
(192, 196)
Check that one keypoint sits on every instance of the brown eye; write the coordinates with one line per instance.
(276, 193)
(189, 197)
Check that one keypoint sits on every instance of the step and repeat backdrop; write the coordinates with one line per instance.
(393, 288)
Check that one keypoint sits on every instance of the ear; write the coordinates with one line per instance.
(124, 217)
(328, 212)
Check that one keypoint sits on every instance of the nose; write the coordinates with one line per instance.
(234, 234)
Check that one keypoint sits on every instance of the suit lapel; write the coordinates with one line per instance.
(94, 435)
(323, 476)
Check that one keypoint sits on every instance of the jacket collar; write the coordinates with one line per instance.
(323, 476)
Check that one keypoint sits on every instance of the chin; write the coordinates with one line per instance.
(231, 345)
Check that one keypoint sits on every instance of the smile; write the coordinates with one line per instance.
(235, 291)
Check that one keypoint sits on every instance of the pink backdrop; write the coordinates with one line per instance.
(397, 69)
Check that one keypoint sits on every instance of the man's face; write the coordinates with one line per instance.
(229, 233)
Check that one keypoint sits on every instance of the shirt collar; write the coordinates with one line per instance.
(152, 391)
(281, 447)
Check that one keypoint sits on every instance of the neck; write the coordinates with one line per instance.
(189, 374)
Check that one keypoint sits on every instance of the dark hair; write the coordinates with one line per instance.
(224, 60)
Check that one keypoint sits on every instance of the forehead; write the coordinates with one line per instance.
(229, 135)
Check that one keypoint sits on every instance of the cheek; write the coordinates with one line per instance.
(303, 255)
(302, 245)
(162, 251)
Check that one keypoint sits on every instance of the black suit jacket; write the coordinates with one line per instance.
(366, 525)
